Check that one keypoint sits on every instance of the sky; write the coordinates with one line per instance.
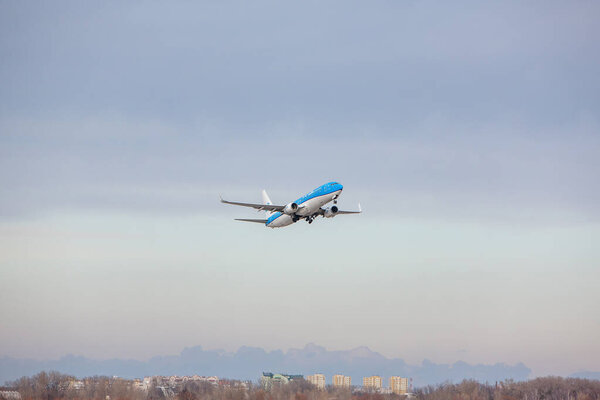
(469, 132)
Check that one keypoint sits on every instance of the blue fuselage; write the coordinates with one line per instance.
(307, 204)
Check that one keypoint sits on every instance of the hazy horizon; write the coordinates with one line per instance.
(469, 133)
(248, 363)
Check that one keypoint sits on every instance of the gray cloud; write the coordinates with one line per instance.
(384, 64)
(441, 169)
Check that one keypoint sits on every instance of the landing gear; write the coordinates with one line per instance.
(335, 199)
(309, 219)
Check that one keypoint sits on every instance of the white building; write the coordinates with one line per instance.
(317, 379)
(372, 382)
(399, 385)
(10, 395)
(342, 381)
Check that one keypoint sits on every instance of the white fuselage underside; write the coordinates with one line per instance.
(309, 207)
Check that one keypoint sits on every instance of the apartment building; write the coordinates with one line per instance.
(399, 385)
(341, 381)
(372, 382)
(317, 379)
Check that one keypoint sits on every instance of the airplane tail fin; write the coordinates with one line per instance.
(266, 200)
(265, 196)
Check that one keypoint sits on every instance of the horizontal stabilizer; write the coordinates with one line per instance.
(258, 221)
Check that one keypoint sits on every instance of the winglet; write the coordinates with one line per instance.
(359, 209)
(221, 197)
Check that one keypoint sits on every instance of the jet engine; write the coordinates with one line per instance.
(331, 212)
(290, 208)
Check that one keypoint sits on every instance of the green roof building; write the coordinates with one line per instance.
(268, 379)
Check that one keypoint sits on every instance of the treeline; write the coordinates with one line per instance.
(549, 388)
(56, 386)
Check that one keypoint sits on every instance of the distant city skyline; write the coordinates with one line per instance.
(247, 363)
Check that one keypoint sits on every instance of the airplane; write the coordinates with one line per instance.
(307, 207)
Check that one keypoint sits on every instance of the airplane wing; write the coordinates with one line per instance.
(258, 221)
(321, 211)
(351, 212)
(268, 207)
